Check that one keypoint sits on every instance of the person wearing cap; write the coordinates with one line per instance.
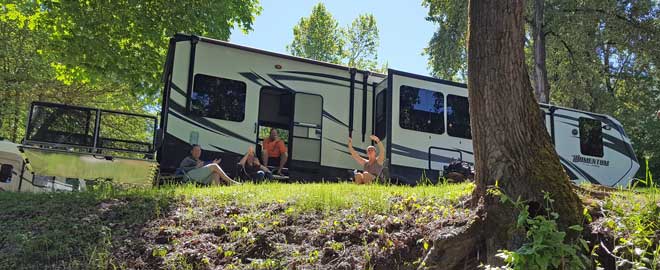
(372, 165)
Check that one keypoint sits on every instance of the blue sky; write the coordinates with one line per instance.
(402, 28)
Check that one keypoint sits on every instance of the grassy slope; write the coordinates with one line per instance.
(110, 228)
(270, 226)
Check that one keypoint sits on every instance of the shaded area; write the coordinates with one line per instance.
(80, 230)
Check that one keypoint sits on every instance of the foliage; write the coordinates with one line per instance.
(546, 248)
(632, 220)
(125, 41)
(362, 39)
(71, 230)
(318, 37)
(602, 56)
(101, 54)
(447, 48)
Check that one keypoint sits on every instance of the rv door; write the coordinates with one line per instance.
(307, 133)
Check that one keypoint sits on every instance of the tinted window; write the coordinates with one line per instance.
(381, 115)
(421, 110)
(218, 98)
(458, 117)
(5, 173)
(591, 137)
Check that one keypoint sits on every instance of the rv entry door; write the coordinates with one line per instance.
(307, 133)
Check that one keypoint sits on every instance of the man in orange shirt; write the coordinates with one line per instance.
(274, 152)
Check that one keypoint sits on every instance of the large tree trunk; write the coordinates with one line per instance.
(511, 144)
(542, 87)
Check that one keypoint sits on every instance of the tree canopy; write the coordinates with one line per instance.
(320, 37)
(602, 56)
(106, 54)
(363, 41)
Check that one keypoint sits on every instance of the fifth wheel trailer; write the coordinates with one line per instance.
(222, 96)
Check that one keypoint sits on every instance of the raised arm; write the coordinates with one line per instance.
(381, 149)
(245, 157)
(354, 154)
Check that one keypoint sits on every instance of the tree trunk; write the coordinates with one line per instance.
(542, 89)
(511, 144)
(14, 132)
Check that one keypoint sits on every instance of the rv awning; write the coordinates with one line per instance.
(85, 166)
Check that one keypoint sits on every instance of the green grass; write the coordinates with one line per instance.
(323, 196)
(80, 230)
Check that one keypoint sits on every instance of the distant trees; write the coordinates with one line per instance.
(601, 56)
(319, 37)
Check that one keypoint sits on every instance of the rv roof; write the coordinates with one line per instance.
(182, 37)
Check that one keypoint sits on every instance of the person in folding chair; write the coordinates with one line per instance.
(372, 166)
(200, 172)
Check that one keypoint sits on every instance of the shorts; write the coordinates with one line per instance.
(274, 161)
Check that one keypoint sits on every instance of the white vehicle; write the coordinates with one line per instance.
(221, 96)
(14, 176)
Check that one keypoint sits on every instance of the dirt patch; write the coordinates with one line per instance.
(204, 235)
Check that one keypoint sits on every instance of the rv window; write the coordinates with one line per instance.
(218, 98)
(5, 173)
(458, 117)
(381, 115)
(591, 137)
(421, 110)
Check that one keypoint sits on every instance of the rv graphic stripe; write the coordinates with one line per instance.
(178, 89)
(584, 174)
(333, 118)
(358, 149)
(609, 141)
(302, 79)
(202, 122)
(417, 154)
(320, 75)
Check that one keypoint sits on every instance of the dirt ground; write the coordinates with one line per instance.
(200, 234)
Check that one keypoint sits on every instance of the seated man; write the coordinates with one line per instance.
(204, 174)
(252, 169)
(274, 152)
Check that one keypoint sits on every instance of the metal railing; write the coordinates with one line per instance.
(90, 130)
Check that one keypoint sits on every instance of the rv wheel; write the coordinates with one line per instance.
(455, 177)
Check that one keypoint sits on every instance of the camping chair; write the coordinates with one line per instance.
(179, 177)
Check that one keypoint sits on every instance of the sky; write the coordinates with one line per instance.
(402, 28)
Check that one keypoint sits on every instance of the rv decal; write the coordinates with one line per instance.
(329, 76)
(333, 118)
(302, 79)
(178, 90)
(177, 110)
(591, 161)
(581, 172)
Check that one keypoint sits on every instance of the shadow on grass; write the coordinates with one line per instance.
(80, 230)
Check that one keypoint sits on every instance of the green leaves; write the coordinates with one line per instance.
(363, 41)
(319, 37)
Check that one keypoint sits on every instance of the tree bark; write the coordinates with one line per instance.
(542, 87)
(511, 145)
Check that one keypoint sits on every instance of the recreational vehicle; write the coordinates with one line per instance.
(221, 96)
